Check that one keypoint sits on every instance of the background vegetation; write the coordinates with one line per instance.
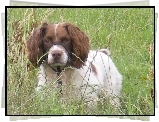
(127, 32)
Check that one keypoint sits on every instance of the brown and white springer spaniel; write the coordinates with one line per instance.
(62, 52)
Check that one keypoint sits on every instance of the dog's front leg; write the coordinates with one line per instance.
(41, 78)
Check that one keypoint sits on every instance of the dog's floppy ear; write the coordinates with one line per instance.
(80, 44)
(34, 45)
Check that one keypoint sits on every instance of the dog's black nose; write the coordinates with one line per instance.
(56, 54)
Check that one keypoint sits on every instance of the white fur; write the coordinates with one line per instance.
(106, 80)
(56, 25)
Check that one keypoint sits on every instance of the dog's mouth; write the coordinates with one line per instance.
(57, 64)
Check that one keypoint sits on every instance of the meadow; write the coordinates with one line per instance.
(127, 32)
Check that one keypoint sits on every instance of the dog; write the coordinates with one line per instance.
(62, 53)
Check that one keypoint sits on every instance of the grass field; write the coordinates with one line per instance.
(131, 35)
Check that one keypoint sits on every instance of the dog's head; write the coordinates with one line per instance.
(59, 44)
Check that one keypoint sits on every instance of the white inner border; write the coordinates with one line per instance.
(73, 118)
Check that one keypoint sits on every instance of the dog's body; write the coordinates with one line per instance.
(70, 64)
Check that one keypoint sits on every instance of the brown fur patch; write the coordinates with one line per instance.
(93, 68)
(105, 51)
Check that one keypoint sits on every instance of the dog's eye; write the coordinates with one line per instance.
(65, 40)
(46, 40)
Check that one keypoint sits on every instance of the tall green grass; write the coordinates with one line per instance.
(130, 32)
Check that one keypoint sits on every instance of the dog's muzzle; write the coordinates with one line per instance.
(58, 55)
